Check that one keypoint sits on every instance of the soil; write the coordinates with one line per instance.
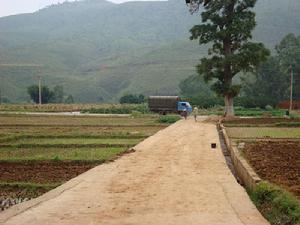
(259, 121)
(42, 172)
(10, 191)
(276, 162)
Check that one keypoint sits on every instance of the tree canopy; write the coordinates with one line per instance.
(226, 27)
(269, 86)
(271, 83)
(288, 51)
(47, 94)
(132, 99)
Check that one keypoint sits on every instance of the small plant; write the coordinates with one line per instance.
(278, 206)
(168, 119)
(269, 108)
(136, 114)
(294, 115)
(56, 158)
(288, 124)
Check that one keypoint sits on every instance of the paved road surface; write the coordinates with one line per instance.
(174, 177)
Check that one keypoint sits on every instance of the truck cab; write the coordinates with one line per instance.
(184, 106)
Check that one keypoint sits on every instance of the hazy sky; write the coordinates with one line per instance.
(12, 7)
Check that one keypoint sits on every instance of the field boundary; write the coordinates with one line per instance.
(245, 173)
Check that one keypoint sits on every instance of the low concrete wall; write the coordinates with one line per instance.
(246, 174)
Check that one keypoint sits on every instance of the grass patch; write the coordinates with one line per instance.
(169, 119)
(65, 146)
(60, 154)
(288, 124)
(72, 141)
(259, 113)
(277, 206)
(61, 120)
(263, 132)
(28, 186)
(240, 111)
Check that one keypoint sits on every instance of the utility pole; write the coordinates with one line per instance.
(40, 89)
(0, 90)
(291, 94)
(0, 97)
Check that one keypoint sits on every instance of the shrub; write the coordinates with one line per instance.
(277, 206)
(132, 99)
(56, 158)
(169, 119)
(269, 108)
(136, 114)
(294, 116)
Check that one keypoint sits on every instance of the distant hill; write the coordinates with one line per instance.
(99, 50)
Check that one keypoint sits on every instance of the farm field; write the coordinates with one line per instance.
(40, 152)
(93, 108)
(273, 152)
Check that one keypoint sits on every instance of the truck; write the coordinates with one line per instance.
(168, 104)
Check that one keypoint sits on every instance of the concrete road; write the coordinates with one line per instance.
(174, 177)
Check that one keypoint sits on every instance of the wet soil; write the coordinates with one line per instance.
(42, 172)
(277, 162)
(14, 191)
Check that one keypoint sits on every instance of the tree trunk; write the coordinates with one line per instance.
(229, 110)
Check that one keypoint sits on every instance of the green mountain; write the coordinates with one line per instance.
(99, 50)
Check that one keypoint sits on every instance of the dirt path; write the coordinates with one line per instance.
(174, 177)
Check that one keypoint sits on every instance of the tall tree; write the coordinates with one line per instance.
(58, 94)
(47, 94)
(227, 26)
(269, 86)
(288, 51)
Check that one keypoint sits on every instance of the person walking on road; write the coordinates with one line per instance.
(185, 114)
(195, 113)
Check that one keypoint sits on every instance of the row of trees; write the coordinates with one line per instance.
(56, 95)
(271, 84)
(132, 99)
(268, 85)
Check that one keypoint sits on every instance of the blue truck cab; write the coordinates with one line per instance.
(184, 106)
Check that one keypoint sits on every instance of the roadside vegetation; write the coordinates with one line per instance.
(169, 119)
(277, 205)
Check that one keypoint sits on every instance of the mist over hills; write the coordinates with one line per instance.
(99, 50)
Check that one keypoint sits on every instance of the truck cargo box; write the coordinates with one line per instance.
(163, 104)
